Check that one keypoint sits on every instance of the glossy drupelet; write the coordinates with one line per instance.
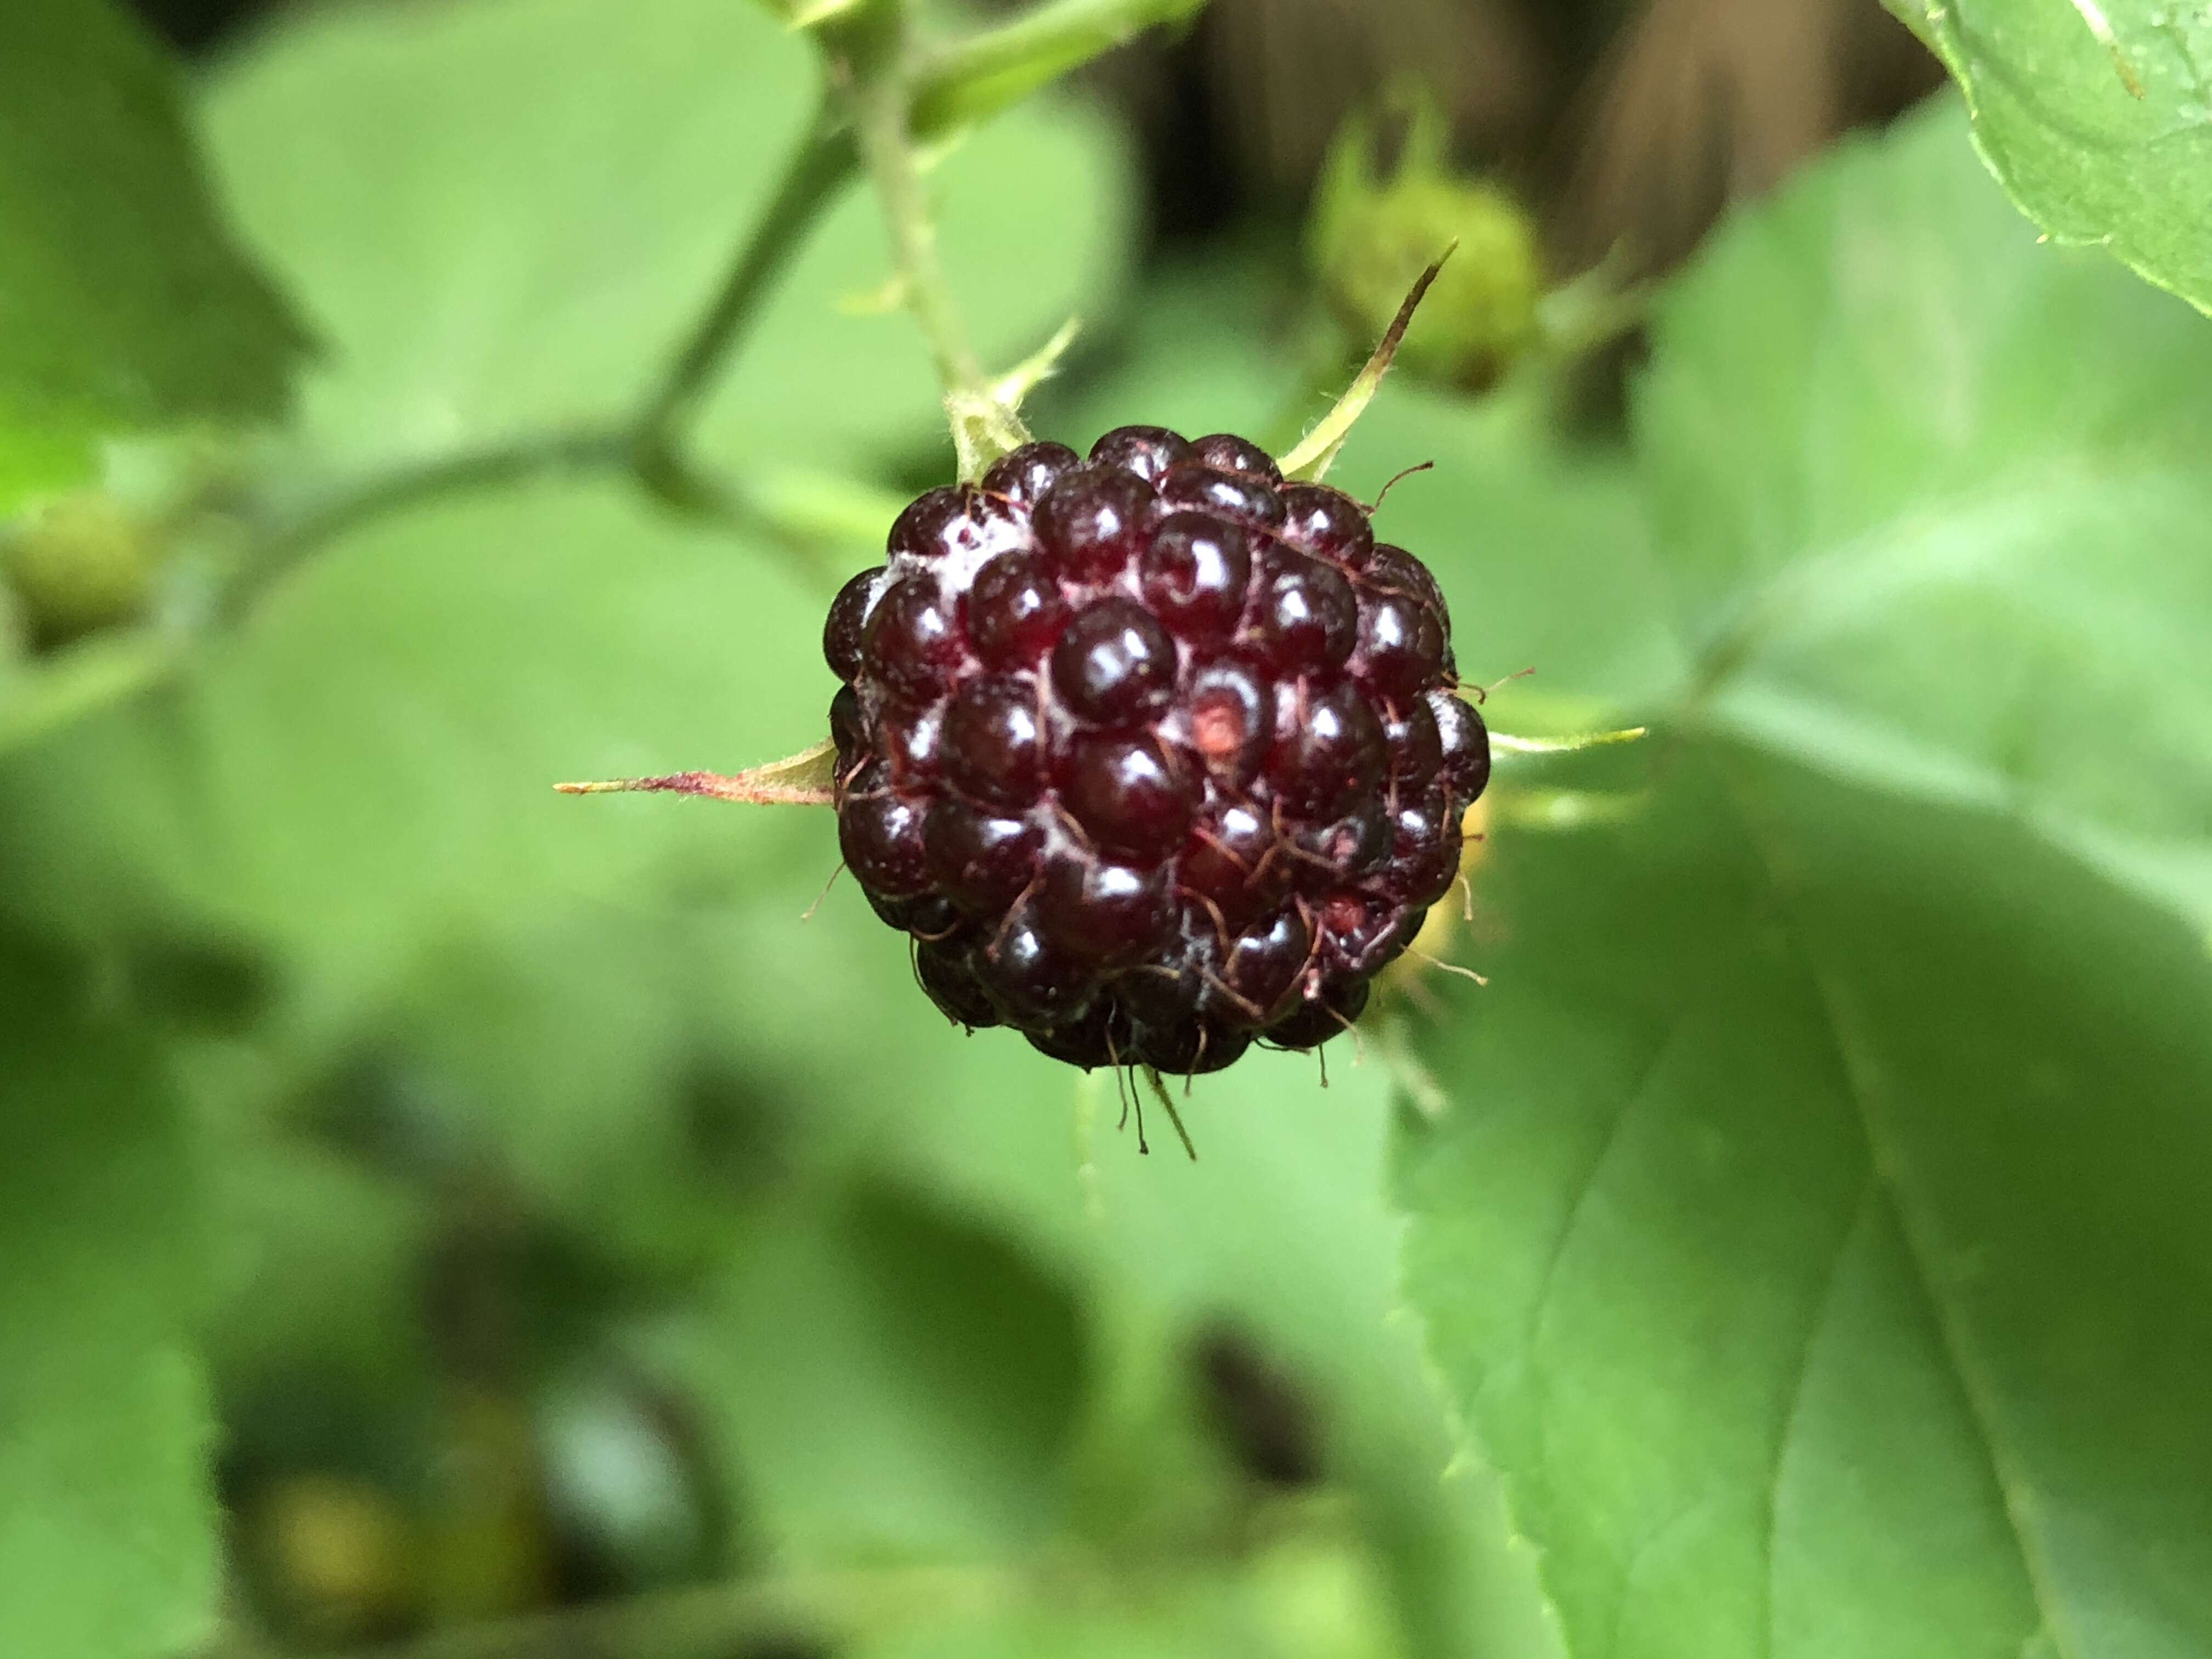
(1154, 755)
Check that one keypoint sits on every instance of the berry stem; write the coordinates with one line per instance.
(870, 59)
(867, 61)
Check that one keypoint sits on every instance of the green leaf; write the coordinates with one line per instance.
(2096, 115)
(1933, 503)
(1809, 1240)
(507, 216)
(1812, 1241)
(107, 1525)
(124, 305)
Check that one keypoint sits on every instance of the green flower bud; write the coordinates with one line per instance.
(1370, 238)
(77, 564)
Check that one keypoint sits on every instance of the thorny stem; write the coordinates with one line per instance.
(866, 56)
(879, 96)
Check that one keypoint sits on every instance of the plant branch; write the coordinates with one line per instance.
(817, 169)
(536, 455)
(867, 60)
(648, 443)
(973, 79)
(886, 103)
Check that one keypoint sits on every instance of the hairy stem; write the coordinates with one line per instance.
(870, 67)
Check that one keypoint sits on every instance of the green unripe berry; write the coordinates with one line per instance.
(1370, 238)
(77, 564)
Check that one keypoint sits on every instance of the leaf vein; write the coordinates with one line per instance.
(1860, 1084)
(1823, 1308)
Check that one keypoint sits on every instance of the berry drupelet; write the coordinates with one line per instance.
(1154, 755)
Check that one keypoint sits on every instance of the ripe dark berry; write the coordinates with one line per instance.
(1327, 524)
(954, 523)
(1417, 746)
(993, 743)
(1127, 794)
(1305, 619)
(1352, 846)
(1260, 973)
(1331, 750)
(1234, 865)
(1153, 753)
(907, 743)
(1224, 452)
(1402, 645)
(1394, 570)
(1195, 575)
(1014, 611)
(1105, 913)
(1318, 1018)
(1098, 1038)
(981, 861)
(1465, 742)
(1115, 665)
(1238, 497)
(849, 614)
(1029, 471)
(880, 835)
(910, 646)
(1146, 451)
(1031, 981)
(952, 986)
(1091, 522)
(848, 727)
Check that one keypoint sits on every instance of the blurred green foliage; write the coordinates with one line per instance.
(126, 303)
(437, 1209)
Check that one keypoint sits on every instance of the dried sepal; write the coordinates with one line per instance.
(806, 779)
(1317, 451)
(1570, 743)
